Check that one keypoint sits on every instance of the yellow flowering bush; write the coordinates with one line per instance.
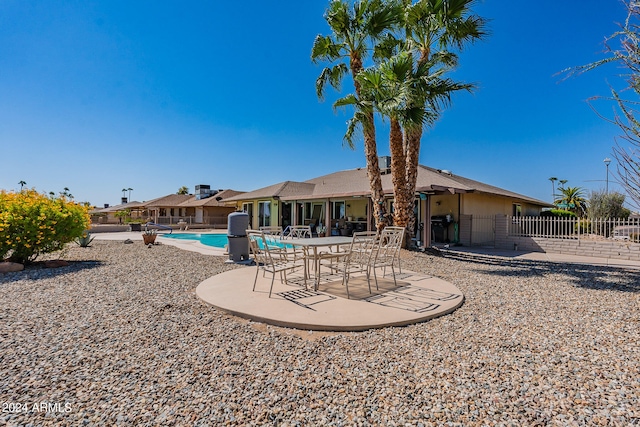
(32, 224)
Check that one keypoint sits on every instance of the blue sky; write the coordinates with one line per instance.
(153, 95)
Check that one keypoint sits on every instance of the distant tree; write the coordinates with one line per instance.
(183, 190)
(65, 193)
(22, 184)
(607, 205)
(623, 49)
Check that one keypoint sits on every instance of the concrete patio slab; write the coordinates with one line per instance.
(416, 298)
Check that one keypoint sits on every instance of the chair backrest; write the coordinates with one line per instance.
(390, 243)
(259, 246)
(297, 231)
(271, 229)
(362, 249)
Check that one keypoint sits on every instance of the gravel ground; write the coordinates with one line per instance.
(119, 338)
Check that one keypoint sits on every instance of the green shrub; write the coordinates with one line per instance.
(32, 224)
(560, 213)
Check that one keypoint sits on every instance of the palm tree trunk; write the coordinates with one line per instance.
(371, 154)
(398, 174)
(375, 179)
(413, 158)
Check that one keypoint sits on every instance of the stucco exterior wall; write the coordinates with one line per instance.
(485, 204)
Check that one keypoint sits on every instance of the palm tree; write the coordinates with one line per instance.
(429, 26)
(129, 190)
(574, 198)
(397, 91)
(124, 193)
(553, 180)
(183, 190)
(22, 184)
(354, 31)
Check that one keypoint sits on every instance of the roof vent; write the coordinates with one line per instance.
(384, 162)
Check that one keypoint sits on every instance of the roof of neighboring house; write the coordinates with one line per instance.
(174, 200)
(169, 200)
(354, 182)
(116, 208)
(215, 200)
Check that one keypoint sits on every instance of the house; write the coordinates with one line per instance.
(339, 203)
(206, 207)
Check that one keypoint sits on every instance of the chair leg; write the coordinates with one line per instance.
(345, 281)
(393, 271)
(255, 279)
(273, 278)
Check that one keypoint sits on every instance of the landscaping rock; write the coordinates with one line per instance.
(56, 263)
(9, 267)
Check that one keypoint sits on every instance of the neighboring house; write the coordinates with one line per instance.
(339, 203)
(210, 210)
(107, 215)
(205, 207)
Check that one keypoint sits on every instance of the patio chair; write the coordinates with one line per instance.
(387, 252)
(269, 259)
(275, 230)
(356, 259)
(297, 231)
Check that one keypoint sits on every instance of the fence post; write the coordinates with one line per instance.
(501, 231)
(464, 230)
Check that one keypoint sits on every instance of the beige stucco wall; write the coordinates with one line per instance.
(356, 208)
(484, 204)
(478, 204)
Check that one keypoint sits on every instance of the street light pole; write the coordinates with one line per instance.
(606, 162)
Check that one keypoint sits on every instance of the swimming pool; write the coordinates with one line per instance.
(214, 240)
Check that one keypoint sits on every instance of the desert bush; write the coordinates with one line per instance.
(85, 240)
(607, 205)
(32, 224)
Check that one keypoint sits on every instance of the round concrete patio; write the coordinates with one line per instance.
(416, 298)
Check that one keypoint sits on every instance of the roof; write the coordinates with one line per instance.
(116, 208)
(214, 200)
(168, 200)
(174, 200)
(354, 182)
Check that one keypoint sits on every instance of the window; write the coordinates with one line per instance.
(264, 214)
(248, 208)
(314, 212)
(517, 210)
(338, 211)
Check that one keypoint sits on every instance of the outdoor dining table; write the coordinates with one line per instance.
(311, 245)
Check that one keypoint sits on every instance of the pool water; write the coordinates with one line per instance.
(214, 240)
